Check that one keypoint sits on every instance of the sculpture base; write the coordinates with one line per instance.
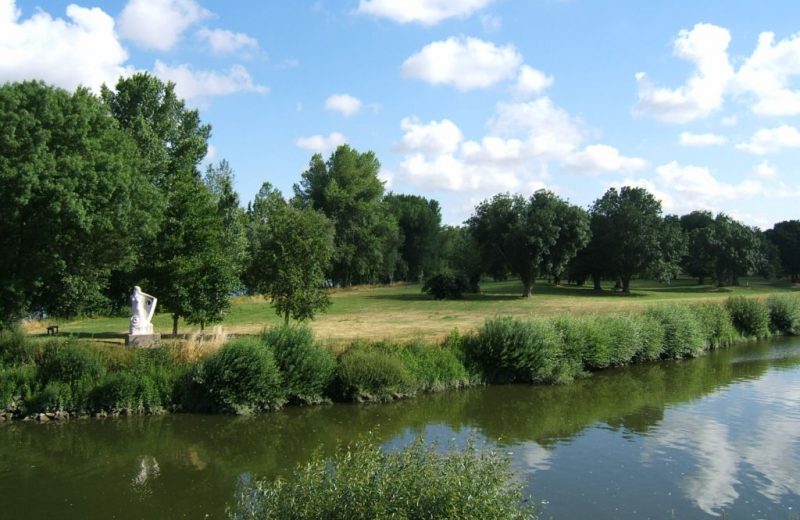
(143, 340)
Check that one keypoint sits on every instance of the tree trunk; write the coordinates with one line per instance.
(701, 280)
(527, 284)
(626, 284)
(175, 325)
(286, 318)
(556, 280)
(202, 325)
(596, 280)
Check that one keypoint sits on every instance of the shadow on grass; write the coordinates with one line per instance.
(422, 297)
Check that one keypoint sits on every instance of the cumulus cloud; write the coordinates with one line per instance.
(705, 45)
(222, 41)
(80, 50)
(599, 158)
(767, 74)
(690, 139)
(463, 62)
(425, 12)
(765, 169)
(197, 86)
(771, 140)
(532, 81)
(159, 24)
(319, 143)
(346, 104)
(434, 138)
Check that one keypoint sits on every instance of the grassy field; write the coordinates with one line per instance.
(403, 312)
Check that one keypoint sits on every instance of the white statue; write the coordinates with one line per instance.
(143, 306)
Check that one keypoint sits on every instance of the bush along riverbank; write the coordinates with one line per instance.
(63, 378)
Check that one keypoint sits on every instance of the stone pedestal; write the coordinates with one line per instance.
(143, 340)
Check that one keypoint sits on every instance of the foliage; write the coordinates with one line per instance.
(750, 316)
(307, 368)
(69, 188)
(786, 236)
(373, 373)
(419, 221)
(737, 250)
(348, 191)
(148, 386)
(219, 181)
(291, 250)
(16, 382)
(784, 314)
(521, 235)
(683, 334)
(14, 347)
(506, 350)
(446, 285)
(242, 377)
(458, 252)
(364, 482)
(716, 324)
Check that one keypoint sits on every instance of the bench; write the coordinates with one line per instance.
(52, 330)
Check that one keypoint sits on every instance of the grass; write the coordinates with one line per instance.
(403, 312)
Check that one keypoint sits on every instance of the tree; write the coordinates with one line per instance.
(419, 220)
(458, 252)
(191, 269)
(737, 250)
(786, 236)
(573, 235)
(219, 181)
(629, 234)
(348, 191)
(292, 250)
(73, 203)
(522, 235)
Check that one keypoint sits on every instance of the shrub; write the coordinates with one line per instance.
(14, 346)
(784, 314)
(307, 369)
(434, 367)
(507, 350)
(16, 382)
(625, 335)
(749, 316)
(148, 386)
(362, 482)
(446, 285)
(651, 337)
(716, 324)
(69, 363)
(242, 377)
(683, 336)
(373, 372)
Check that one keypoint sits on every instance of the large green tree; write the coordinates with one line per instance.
(419, 220)
(291, 250)
(73, 204)
(459, 252)
(700, 258)
(348, 191)
(629, 234)
(786, 236)
(219, 180)
(523, 235)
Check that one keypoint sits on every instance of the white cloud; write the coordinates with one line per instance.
(548, 131)
(532, 81)
(767, 73)
(491, 23)
(465, 63)
(425, 12)
(321, 144)
(770, 140)
(80, 50)
(598, 158)
(344, 103)
(690, 139)
(222, 41)
(434, 138)
(706, 45)
(198, 85)
(765, 169)
(159, 24)
(729, 121)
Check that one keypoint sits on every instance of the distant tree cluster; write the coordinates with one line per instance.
(101, 193)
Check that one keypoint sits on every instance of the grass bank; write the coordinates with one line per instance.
(62, 378)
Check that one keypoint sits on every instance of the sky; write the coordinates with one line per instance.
(699, 102)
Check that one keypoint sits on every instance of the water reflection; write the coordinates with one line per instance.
(728, 421)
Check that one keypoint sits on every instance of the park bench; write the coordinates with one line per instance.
(52, 330)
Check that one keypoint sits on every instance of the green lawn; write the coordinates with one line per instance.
(402, 311)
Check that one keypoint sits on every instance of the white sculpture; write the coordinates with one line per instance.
(143, 306)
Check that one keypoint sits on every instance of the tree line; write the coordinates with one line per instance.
(103, 192)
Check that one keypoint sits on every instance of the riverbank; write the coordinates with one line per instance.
(61, 378)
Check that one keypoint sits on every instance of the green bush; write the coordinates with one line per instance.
(15, 347)
(307, 368)
(434, 367)
(68, 362)
(146, 387)
(508, 350)
(683, 335)
(784, 314)
(716, 324)
(363, 482)
(374, 372)
(626, 337)
(242, 377)
(16, 382)
(749, 316)
(651, 337)
(446, 285)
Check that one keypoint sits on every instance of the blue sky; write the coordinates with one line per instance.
(461, 99)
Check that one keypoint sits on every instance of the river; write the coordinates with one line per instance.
(693, 439)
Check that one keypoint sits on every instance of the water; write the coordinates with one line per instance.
(695, 439)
